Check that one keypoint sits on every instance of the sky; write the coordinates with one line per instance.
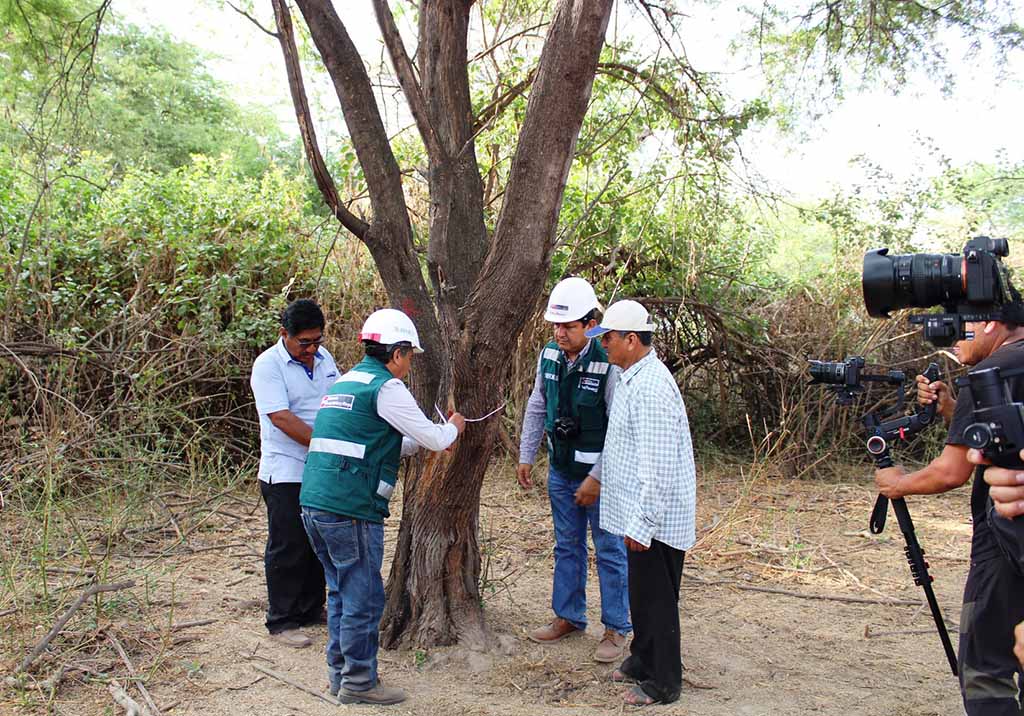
(978, 121)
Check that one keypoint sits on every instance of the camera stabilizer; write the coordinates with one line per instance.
(846, 379)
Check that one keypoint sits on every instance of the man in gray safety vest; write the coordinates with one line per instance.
(571, 397)
(367, 422)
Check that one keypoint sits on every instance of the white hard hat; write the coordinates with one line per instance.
(623, 316)
(571, 300)
(389, 326)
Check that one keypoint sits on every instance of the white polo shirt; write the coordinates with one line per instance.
(279, 382)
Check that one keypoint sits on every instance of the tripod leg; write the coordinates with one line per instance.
(919, 571)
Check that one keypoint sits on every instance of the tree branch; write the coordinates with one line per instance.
(489, 113)
(407, 78)
(253, 20)
(321, 174)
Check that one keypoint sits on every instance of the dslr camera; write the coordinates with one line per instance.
(972, 286)
(846, 378)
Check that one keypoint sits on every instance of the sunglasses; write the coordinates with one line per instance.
(315, 342)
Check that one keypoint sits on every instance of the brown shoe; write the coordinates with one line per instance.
(292, 637)
(611, 647)
(380, 695)
(557, 630)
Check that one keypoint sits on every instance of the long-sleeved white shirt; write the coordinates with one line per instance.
(396, 405)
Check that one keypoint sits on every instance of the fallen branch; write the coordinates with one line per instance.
(189, 625)
(868, 634)
(291, 682)
(131, 672)
(130, 705)
(802, 595)
(91, 591)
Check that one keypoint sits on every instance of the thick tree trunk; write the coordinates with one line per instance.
(437, 556)
(485, 287)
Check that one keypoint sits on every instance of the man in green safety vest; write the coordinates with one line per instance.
(571, 397)
(367, 422)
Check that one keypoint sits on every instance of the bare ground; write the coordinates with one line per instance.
(746, 652)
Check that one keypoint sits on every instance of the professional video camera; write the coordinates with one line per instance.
(973, 286)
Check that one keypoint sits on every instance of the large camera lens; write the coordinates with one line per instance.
(910, 281)
(825, 371)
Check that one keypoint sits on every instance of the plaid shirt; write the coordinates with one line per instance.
(649, 483)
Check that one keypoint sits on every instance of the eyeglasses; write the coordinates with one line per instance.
(315, 342)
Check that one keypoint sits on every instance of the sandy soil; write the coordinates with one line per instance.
(746, 652)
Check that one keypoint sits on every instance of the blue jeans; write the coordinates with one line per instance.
(569, 591)
(352, 552)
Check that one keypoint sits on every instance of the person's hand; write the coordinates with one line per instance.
(458, 421)
(887, 480)
(633, 546)
(1018, 647)
(1006, 486)
(523, 475)
(588, 492)
(930, 392)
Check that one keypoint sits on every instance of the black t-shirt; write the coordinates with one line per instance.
(1005, 358)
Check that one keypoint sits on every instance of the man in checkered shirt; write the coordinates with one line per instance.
(648, 495)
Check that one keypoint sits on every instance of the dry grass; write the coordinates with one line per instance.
(746, 651)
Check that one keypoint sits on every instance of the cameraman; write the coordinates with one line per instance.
(992, 595)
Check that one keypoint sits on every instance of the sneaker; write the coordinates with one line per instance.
(380, 695)
(557, 630)
(291, 637)
(611, 647)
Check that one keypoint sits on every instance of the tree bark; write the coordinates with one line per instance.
(484, 286)
(389, 237)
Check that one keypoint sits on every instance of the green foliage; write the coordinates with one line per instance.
(200, 248)
(872, 40)
(71, 78)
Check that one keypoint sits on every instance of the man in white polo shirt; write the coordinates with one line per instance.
(288, 381)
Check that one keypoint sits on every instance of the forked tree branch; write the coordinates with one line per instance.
(407, 78)
(286, 36)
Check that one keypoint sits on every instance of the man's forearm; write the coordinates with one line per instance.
(291, 425)
(948, 471)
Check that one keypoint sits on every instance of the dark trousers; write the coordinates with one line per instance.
(296, 590)
(993, 605)
(654, 658)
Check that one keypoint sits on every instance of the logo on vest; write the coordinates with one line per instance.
(341, 402)
(591, 384)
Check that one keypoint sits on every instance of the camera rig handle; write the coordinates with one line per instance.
(882, 433)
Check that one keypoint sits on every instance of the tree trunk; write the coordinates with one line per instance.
(484, 287)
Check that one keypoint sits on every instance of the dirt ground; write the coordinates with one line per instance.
(798, 648)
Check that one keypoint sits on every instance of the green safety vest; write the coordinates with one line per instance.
(352, 465)
(576, 392)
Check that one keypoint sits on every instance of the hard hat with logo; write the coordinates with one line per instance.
(571, 299)
(389, 326)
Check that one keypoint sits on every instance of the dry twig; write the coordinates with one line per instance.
(91, 591)
(292, 682)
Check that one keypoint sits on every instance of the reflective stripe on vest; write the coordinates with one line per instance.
(337, 447)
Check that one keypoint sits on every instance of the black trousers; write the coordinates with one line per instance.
(993, 605)
(296, 590)
(654, 658)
